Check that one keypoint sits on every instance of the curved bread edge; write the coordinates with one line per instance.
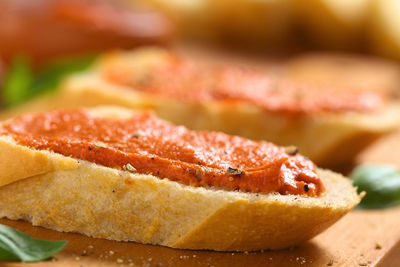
(19, 162)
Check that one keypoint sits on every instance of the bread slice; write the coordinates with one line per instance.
(329, 139)
(72, 195)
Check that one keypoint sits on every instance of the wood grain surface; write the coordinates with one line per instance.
(351, 242)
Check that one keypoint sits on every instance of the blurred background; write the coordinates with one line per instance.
(39, 31)
(34, 33)
(46, 28)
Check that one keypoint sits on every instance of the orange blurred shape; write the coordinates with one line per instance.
(45, 29)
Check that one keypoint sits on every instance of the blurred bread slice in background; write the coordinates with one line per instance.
(350, 70)
(337, 24)
(45, 29)
(384, 28)
(290, 25)
(248, 23)
(160, 80)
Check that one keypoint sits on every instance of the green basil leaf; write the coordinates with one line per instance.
(51, 75)
(17, 81)
(381, 183)
(22, 84)
(18, 246)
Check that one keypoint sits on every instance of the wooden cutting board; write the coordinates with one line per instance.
(351, 242)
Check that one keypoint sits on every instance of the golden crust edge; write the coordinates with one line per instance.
(19, 162)
(287, 225)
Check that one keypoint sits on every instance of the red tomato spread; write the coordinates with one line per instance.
(181, 79)
(144, 144)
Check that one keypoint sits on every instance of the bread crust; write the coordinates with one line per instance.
(107, 203)
(19, 162)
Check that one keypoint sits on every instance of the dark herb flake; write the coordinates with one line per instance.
(234, 172)
(136, 135)
(306, 188)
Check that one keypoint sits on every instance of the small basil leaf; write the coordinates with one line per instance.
(381, 183)
(17, 81)
(18, 246)
(50, 76)
(21, 83)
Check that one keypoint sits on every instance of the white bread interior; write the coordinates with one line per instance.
(79, 196)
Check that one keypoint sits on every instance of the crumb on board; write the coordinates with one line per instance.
(378, 246)
(301, 260)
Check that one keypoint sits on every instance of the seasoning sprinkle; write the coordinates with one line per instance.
(235, 172)
(136, 135)
(306, 188)
(378, 246)
(90, 147)
(121, 145)
(129, 167)
(291, 150)
(198, 175)
(99, 145)
(330, 263)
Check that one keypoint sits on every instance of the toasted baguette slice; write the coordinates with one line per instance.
(330, 139)
(78, 196)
